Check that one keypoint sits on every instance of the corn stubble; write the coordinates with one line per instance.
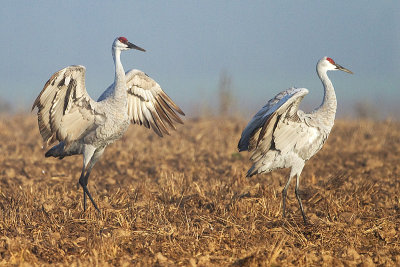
(184, 200)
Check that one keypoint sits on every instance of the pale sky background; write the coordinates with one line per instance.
(265, 46)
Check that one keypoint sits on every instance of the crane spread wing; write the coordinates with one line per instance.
(261, 130)
(65, 110)
(149, 105)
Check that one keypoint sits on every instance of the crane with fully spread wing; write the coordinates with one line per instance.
(282, 136)
(67, 114)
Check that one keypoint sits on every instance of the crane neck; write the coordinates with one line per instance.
(119, 80)
(327, 109)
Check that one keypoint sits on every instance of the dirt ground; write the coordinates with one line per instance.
(184, 200)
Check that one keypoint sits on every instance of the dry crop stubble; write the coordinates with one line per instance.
(184, 200)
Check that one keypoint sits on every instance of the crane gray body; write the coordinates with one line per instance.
(67, 114)
(282, 136)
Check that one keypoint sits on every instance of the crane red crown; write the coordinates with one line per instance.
(123, 40)
(331, 60)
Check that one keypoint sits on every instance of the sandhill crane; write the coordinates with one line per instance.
(282, 136)
(67, 114)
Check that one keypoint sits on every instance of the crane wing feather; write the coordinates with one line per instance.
(149, 105)
(260, 129)
(65, 110)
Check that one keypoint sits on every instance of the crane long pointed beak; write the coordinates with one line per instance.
(338, 67)
(132, 46)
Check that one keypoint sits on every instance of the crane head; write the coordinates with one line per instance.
(328, 63)
(122, 43)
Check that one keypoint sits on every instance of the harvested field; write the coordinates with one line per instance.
(184, 200)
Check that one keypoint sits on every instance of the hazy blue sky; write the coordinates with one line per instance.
(264, 46)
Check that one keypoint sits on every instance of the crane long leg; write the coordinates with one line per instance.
(299, 199)
(83, 181)
(284, 194)
(90, 156)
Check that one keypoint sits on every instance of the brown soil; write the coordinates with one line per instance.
(184, 200)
